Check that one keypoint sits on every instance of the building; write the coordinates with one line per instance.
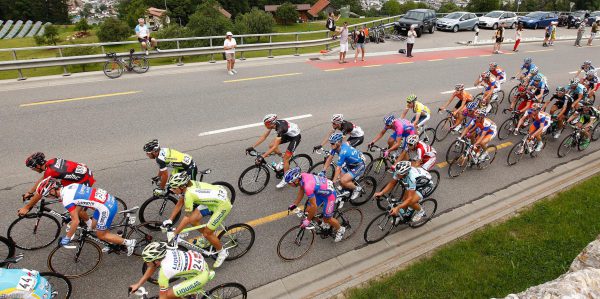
(302, 10)
(321, 5)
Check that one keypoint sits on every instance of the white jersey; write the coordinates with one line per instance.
(177, 261)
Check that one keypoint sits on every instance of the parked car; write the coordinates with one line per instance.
(425, 20)
(460, 20)
(563, 19)
(593, 17)
(494, 18)
(538, 19)
(575, 18)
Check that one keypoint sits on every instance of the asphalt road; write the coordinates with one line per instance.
(108, 132)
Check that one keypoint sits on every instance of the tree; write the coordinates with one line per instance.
(235, 7)
(179, 11)
(102, 7)
(355, 5)
(175, 31)
(286, 13)
(448, 7)
(208, 21)
(113, 30)
(483, 5)
(254, 22)
(82, 25)
(391, 8)
(131, 10)
(54, 11)
(50, 36)
(86, 11)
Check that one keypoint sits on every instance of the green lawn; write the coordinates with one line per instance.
(534, 247)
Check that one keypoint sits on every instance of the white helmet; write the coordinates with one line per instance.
(179, 179)
(337, 118)
(269, 118)
(412, 139)
(154, 251)
(402, 167)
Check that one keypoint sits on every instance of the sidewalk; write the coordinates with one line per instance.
(355, 268)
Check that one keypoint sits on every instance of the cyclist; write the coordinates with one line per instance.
(168, 157)
(585, 68)
(287, 132)
(76, 197)
(524, 71)
(524, 97)
(350, 165)
(560, 109)
(173, 263)
(68, 172)
(24, 284)
(539, 85)
(402, 129)
(211, 200)
(577, 91)
(320, 191)
(591, 82)
(422, 112)
(490, 87)
(403, 171)
(498, 73)
(463, 99)
(481, 130)
(352, 133)
(422, 154)
(541, 122)
(587, 116)
(468, 114)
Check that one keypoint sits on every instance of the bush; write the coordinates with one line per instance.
(82, 51)
(175, 31)
(82, 25)
(391, 8)
(254, 22)
(50, 36)
(286, 13)
(448, 7)
(208, 21)
(113, 30)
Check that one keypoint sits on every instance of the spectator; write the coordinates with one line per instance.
(580, 32)
(229, 45)
(143, 35)
(518, 34)
(343, 43)
(499, 38)
(476, 38)
(410, 40)
(553, 33)
(593, 32)
(361, 37)
(330, 24)
(547, 33)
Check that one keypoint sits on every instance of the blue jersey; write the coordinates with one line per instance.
(23, 283)
(348, 155)
(527, 69)
(540, 86)
(580, 89)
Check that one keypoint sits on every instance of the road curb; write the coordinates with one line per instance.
(356, 268)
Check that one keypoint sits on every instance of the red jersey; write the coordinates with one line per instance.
(69, 172)
(424, 151)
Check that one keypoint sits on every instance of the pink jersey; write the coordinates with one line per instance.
(403, 128)
(314, 185)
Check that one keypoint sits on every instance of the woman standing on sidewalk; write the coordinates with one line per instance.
(410, 40)
(360, 44)
(580, 32)
(518, 34)
(499, 38)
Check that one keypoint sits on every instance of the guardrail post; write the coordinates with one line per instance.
(296, 54)
(212, 56)
(270, 50)
(242, 52)
(103, 51)
(179, 62)
(21, 78)
(65, 72)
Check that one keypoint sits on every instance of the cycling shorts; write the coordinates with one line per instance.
(105, 215)
(354, 170)
(422, 119)
(328, 203)
(216, 216)
(293, 143)
(356, 141)
(192, 285)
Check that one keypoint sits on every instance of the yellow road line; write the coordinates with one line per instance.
(435, 59)
(373, 65)
(262, 77)
(406, 62)
(534, 51)
(333, 70)
(498, 147)
(462, 57)
(271, 218)
(81, 98)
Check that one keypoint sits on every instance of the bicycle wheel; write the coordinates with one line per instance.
(74, 263)
(596, 132)
(515, 154)
(443, 129)
(566, 146)
(156, 209)
(428, 136)
(318, 167)
(144, 235)
(295, 243)
(458, 166)
(230, 190)
(368, 185)
(119, 218)
(61, 285)
(506, 129)
(455, 150)
(113, 69)
(140, 64)
(227, 291)
(7, 248)
(491, 156)
(368, 158)
(383, 202)
(427, 190)
(34, 231)
(254, 179)
(512, 92)
(379, 228)
(303, 161)
(378, 169)
(494, 109)
(351, 219)
(430, 206)
(238, 239)
(500, 97)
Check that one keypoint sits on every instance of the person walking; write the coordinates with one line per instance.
(499, 38)
(229, 45)
(360, 44)
(593, 32)
(547, 33)
(553, 33)
(410, 40)
(580, 32)
(518, 35)
(343, 43)
(476, 37)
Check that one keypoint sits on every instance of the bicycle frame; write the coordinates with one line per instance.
(210, 252)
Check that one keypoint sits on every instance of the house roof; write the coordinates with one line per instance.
(224, 12)
(318, 7)
(155, 11)
(299, 7)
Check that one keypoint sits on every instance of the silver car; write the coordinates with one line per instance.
(460, 20)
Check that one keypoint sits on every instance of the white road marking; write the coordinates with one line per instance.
(248, 126)
(451, 91)
(574, 72)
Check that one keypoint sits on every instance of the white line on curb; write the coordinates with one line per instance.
(248, 126)
(451, 91)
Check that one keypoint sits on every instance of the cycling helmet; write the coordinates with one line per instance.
(493, 65)
(459, 87)
(335, 138)
(472, 105)
(402, 167)
(179, 179)
(481, 112)
(292, 175)
(590, 73)
(337, 118)
(411, 98)
(389, 119)
(560, 89)
(47, 184)
(269, 118)
(528, 60)
(522, 89)
(151, 146)
(537, 78)
(485, 74)
(412, 140)
(534, 71)
(587, 62)
(35, 159)
(154, 251)
(574, 82)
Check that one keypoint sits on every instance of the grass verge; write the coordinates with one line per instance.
(534, 247)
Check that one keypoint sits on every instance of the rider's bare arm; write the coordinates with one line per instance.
(262, 138)
(273, 148)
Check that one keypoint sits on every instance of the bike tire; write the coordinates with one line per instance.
(113, 69)
(491, 151)
(442, 130)
(596, 132)
(298, 237)
(430, 207)
(144, 235)
(315, 169)
(61, 256)
(164, 207)
(140, 64)
(227, 291)
(303, 161)
(351, 219)
(7, 248)
(22, 231)
(231, 237)
(428, 136)
(458, 166)
(512, 93)
(455, 150)
(368, 185)
(426, 191)
(494, 109)
(379, 228)
(60, 284)
(566, 146)
(256, 171)
(516, 154)
(506, 128)
(230, 189)
(377, 169)
(500, 97)
(119, 219)
(368, 157)
(382, 202)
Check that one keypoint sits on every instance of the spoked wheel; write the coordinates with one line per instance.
(238, 239)
(513, 92)
(254, 179)
(429, 206)
(566, 146)
(491, 155)
(227, 291)
(113, 69)
(144, 235)
(378, 169)
(368, 185)
(458, 166)
(368, 158)
(140, 64)
(494, 106)
(379, 228)
(351, 219)
(500, 97)
(7, 248)
(119, 218)
(596, 131)
(427, 136)
(61, 285)
(303, 161)
(318, 167)
(295, 243)
(156, 210)
(443, 129)
(230, 190)
(515, 154)
(506, 129)
(435, 181)
(78, 262)
(32, 232)
(455, 150)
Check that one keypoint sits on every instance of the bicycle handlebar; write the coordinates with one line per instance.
(375, 147)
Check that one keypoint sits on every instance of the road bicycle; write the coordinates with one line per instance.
(469, 158)
(315, 169)
(255, 178)
(380, 166)
(425, 185)
(446, 126)
(384, 223)
(7, 248)
(576, 140)
(228, 290)
(40, 228)
(494, 102)
(507, 128)
(426, 134)
(298, 240)
(85, 255)
(59, 285)
(115, 66)
(514, 91)
(159, 208)
(527, 146)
